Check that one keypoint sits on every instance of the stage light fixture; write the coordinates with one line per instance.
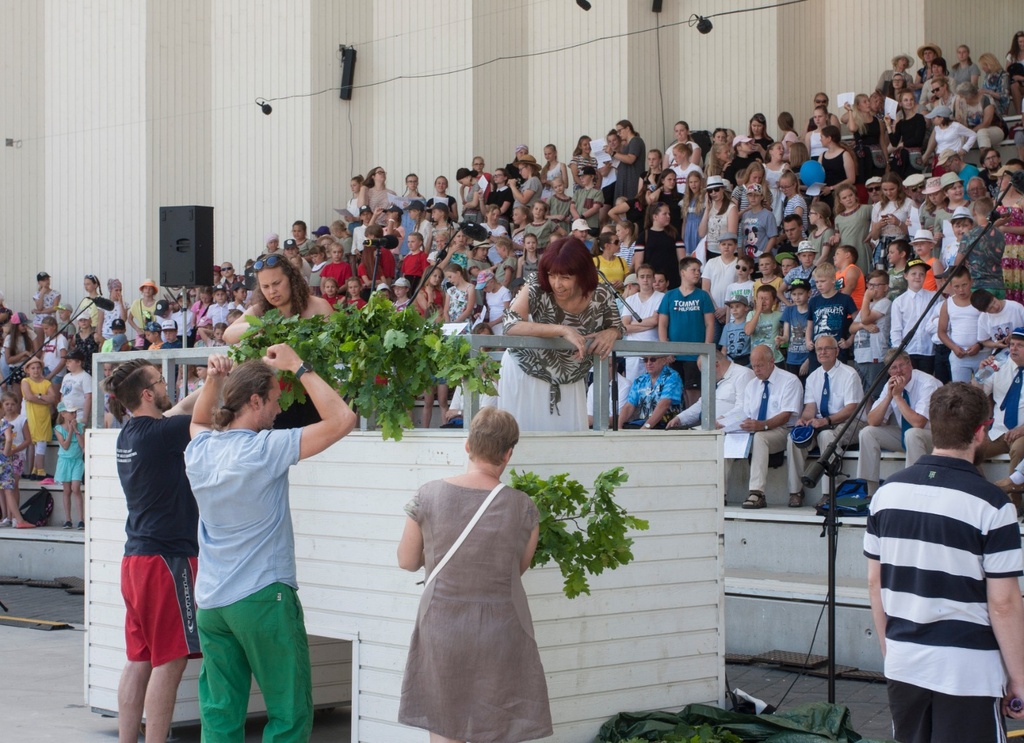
(585, 4)
(704, 25)
(265, 107)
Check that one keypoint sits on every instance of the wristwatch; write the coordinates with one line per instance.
(647, 425)
(303, 368)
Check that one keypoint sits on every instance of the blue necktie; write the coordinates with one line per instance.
(762, 414)
(1011, 403)
(823, 405)
(904, 423)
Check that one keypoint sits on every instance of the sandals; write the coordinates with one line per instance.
(796, 500)
(755, 500)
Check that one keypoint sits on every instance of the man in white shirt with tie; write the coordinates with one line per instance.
(831, 394)
(907, 308)
(898, 421)
(1004, 386)
(731, 380)
(771, 403)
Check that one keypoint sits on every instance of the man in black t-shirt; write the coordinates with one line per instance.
(159, 565)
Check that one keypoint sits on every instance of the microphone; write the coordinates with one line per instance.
(610, 285)
(103, 303)
(388, 242)
(473, 231)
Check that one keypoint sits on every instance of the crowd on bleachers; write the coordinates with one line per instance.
(843, 228)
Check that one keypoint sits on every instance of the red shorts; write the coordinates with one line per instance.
(159, 598)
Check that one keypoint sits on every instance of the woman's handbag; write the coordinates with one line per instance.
(465, 533)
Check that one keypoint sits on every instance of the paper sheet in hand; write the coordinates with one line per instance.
(730, 422)
(483, 183)
(891, 107)
(402, 202)
(346, 215)
(843, 98)
(597, 150)
(454, 328)
(737, 445)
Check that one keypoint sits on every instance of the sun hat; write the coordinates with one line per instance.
(943, 111)
(581, 224)
(806, 247)
(148, 282)
(962, 212)
(929, 45)
(949, 179)
(932, 185)
(923, 236)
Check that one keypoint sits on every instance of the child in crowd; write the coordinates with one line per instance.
(787, 262)
(196, 378)
(70, 461)
(234, 315)
(218, 335)
(38, 394)
(870, 329)
(743, 286)
(45, 300)
(768, 267)
(821, 232)
(899, 257)
(757, 224)
(998, 319)
(529, 261)
(923, 245)
(337, 269)
(85, 340)
(401, 289)
(831, 313)
(507, 265)
(719, 272)
(460, 296)
(588, 200)
(559, 204)
(958, 328)
(492, 222)
(317, 259)
(239, 297)
(806, 255)
(54, 350)
(414, 265)
(763, 322)
(687, 315)
(735, 342)
(329, 287)
(218, 311)
(14, 438)
(63, 316)
(541, 226)
(907, 308)
(794, 328)
(353, 289)
(496, 299)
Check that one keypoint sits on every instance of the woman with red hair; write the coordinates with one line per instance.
(546, 389)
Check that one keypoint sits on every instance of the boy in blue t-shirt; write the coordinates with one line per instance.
(794, 328)
(831, 313)
(687, 315)
(735, 342)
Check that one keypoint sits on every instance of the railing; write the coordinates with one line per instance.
(169, 360)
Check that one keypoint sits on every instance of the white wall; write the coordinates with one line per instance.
(650, 636)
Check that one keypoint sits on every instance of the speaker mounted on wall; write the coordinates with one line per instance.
(186, 245)
(348, 71)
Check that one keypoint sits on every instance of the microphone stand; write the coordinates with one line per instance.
(92, 301)
(441, 255)
(830, 460)
(615, 384)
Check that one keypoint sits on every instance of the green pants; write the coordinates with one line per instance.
(263, 635)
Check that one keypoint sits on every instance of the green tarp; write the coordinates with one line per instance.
(809, 723)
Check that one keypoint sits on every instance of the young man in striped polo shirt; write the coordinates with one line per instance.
(944, 555)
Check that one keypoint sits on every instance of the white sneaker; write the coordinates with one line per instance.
(5, 522)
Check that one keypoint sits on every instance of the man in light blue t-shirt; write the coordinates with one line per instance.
(249, 616)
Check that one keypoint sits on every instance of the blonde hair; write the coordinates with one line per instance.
(824, 270)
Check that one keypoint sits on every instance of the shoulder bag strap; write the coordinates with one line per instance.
(465, 533)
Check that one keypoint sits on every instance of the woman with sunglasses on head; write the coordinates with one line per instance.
(279, 286)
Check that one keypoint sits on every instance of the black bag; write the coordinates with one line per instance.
(17, 374)
(852, 498)
(37, 509)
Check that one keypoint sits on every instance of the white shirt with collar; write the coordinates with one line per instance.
(906, 309)
(785, 393)
(997, 385)
(919, 389)
(844, 387)
(728, 394)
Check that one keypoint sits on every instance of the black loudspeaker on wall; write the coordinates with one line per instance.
(186, 245)
(348, 71)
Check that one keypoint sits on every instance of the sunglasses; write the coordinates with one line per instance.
(269, 262)
(873, 189)
(649, 359)
(714, 188)
(92, 278)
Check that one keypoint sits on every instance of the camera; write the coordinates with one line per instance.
(376, 242)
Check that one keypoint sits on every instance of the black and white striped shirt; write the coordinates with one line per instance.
(940, 530)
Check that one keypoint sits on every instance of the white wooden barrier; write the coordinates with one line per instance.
(651, 635)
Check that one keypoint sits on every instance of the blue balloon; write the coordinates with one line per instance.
(812, 172)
